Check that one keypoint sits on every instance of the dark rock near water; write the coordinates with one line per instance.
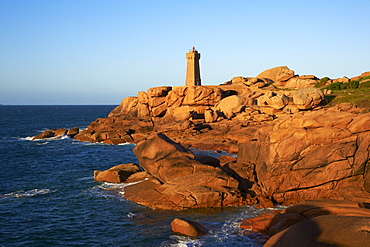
(326, 230)
(188, 228)
(117, 174)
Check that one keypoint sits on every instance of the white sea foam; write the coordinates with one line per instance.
(126, 143)
(86, 178)
(127, 184)
(62, 137)
(98, 189)
(131, 215)
(29, 193)
(28, 138)
(111, 186)
(182, 241)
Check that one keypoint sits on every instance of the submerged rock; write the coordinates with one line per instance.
(188, 228)
(56, 133)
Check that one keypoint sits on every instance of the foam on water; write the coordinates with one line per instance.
(29, 193)
(86, 178)
(126, 143)
(30, 138)
(182, 241)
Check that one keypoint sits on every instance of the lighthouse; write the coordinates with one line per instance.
(192, 68)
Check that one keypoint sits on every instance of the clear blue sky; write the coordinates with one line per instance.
(100, 51)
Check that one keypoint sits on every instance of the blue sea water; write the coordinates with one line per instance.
(48, 196)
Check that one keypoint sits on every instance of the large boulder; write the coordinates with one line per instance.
(232, 105)
(158, 91)
(308, 98)
(180, 179)
(278, 74)
(210, 115)
(301, 82)
(164, 158)
(327, 230)
(274, 100)
(50, 133)
(311, 155)
(188, 228)
(344, 79)
(128, 105)
(74, 131)
(314, 208)
(116, 174)
(207, 96)
(285, 224)
(45, 134)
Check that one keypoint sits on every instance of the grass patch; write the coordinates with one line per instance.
(359, 97)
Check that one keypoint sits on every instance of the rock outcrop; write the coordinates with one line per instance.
(280, 75)
(274, 100)
(321, 154)
(287, 152)
(307, 98)
(185, 111)
(116, 174)
(232, 105)
(57, 133)
(305, 81)
(314, 223)
(179, 179)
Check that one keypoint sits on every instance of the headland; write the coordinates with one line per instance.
(292, 144)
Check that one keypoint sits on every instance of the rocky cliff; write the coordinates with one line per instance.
(290, 145)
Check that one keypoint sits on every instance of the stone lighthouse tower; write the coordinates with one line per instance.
(192, 69)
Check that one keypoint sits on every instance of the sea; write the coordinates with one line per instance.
(48, 196)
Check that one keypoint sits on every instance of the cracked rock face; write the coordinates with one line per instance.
(180, 181)
(312, 155)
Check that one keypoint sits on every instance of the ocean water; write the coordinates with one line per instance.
(48, 196)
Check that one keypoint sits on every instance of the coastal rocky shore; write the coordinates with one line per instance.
(291, 149)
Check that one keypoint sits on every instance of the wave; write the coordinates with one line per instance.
(117, 186)
(86, 178)
(30, 138)
(29, 193)
(110, 190)
(126, 143)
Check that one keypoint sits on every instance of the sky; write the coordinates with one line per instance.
(94, 52)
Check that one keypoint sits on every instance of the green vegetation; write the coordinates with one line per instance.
(355, 92)
(335, 85)
(343, 85)
(365, 84)
(322, 81)
(359, 97)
